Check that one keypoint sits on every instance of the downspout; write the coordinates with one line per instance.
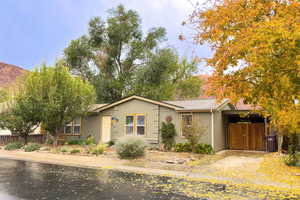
(158, 116)
(212, 129)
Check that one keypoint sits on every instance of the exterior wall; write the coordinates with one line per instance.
(219, 135)
(176, 120)
(5, 132)
(91, 127)
(204, 119)
(8, 132)
(119, 112)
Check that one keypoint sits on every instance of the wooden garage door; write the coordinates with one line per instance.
(247, 136)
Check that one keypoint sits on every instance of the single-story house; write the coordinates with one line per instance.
(225, 126)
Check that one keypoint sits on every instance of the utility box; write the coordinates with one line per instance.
(272, 144)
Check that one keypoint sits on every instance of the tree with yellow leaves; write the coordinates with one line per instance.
(256, 54)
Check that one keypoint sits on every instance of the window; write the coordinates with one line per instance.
(129, 125)
(74, 127)
(187, 121)
(135, 124)
(68, 128)
(140, 125)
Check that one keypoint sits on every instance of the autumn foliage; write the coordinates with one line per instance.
(256, 54)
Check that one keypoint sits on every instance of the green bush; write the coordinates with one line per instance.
(97, 150)
(32, 147)
(63, 150)
(168, 134)
(73, 151)
(204, 149)
(90, 140)
(111, 143)
(49, 141)
(130, 147)
(13, 146)
(183, 147)
(76, 142)
(290, 160)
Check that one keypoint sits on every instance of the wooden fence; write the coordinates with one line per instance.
(5, 139)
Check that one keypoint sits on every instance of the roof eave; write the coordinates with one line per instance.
(196, 110)
(168, 105)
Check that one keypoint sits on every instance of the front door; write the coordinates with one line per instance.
(106, 129)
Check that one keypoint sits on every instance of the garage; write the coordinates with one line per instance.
(245, 133)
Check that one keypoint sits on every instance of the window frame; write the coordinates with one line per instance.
(135, 125)
(182, 121)
(127, 125)
(72, 124)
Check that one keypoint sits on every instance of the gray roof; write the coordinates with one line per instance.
(94, 107)
(198, 104)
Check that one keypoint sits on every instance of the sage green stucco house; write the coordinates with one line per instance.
(143, 117)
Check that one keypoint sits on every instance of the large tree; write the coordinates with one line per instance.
(256, 54)
(59, 96)
(115, 56)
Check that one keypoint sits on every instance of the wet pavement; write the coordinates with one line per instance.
(37, 181)
(29, 180)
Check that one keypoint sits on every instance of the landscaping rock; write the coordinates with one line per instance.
(180, 161)
(170, 162)
(44, 149)
(177, 161)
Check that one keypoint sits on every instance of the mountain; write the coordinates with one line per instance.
(9, 74)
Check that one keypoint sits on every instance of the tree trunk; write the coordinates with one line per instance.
(280, 141)
(55, 136)
(55, 142)
(293, 145)
(25, 139)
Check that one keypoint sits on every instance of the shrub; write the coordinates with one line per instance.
(90, 140)
(111, 143)
(183, 147)
(63, 150)
(32, 147)
(204, 149)
(73, 151)
(97, 150)
(193, 134)
(76, 142)
(131, 147)
(290, 160)
(13, 146)
(168, 134)
(49, 141)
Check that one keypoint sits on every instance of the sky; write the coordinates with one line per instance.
(37, 31)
